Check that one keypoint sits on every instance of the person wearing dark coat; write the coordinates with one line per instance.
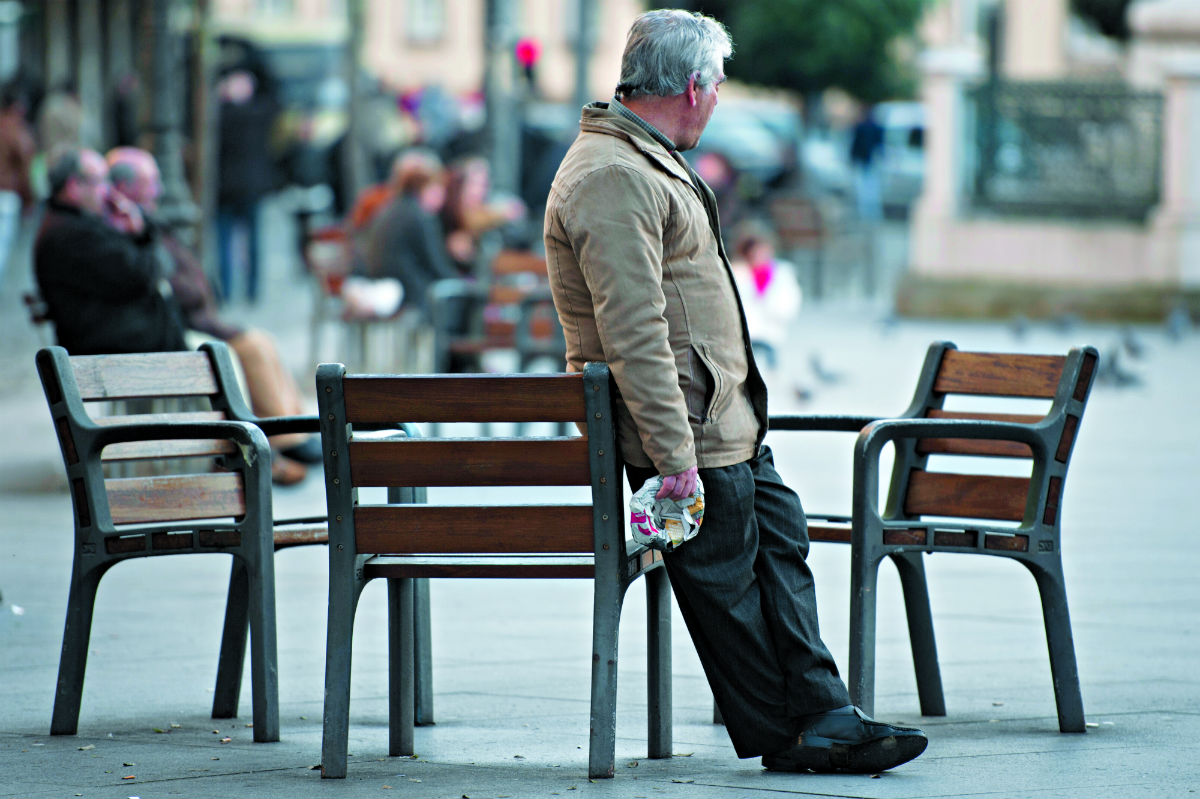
(405, 239)
(272, 390)
(97, 268)
(246, 174)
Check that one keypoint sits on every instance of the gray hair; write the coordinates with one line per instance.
(63, 164)
(666, 47)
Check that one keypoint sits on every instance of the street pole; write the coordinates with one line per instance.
(503, 120)
(56, 59)
(585, 42)
(205, 127)
(89, 72)
(176, 210)
(354, 164)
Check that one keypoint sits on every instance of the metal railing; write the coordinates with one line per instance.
(1066, 149)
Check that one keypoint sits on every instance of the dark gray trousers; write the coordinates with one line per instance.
(747, 597)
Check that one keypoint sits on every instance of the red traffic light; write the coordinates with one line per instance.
(528, 51)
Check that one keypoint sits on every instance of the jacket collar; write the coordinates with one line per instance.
(614, 119)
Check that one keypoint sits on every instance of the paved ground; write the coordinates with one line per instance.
(510, 658)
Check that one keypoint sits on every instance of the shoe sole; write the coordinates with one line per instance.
(869, 757)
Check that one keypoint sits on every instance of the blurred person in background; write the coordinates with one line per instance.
(404, 240)
(97, 267)
(271, 388)
(470, 212)
(641, 281)
(866, 143)
(771, 297)
(246, 174)
(17, 149)
(769, 292)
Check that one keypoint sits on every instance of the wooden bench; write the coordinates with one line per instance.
(512, 311)
(943, 497)
(401, 341)
(212, 494)
(404, 538)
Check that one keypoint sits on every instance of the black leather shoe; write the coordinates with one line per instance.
(308, 451)
(847, 739)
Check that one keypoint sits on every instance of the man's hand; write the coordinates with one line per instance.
(123, 213)
(678, 486)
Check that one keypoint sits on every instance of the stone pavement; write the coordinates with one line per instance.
(510, 658)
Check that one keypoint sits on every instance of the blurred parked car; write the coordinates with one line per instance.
(765, 151)
(902, 160)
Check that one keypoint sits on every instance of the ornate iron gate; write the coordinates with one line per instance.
(1066, 149)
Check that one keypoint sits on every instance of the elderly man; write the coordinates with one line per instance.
(96, 265)
(273, 391)
(641, 280)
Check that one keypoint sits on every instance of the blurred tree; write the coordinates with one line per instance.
(1108, 16)
(809, 46)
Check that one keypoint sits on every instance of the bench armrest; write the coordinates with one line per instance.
(248, 437)
(812, 422)
(279, 425)
(876, 435)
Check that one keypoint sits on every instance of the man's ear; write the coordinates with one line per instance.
(692, 88)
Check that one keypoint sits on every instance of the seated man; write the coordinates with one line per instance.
(96, 267)
(272, 389)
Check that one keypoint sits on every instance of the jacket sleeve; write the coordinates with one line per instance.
(619, 247)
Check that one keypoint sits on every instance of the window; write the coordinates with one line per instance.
(277, 8)
(425, 21)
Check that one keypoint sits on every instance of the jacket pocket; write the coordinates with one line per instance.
(707, 386)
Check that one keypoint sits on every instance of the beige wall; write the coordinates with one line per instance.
(1035, 39)
(456, 61)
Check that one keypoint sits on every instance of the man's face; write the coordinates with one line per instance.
(89, 188)
(146, 186)
(706, 103)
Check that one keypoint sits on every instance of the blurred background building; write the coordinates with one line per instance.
(1035, 156)
(1061, 171)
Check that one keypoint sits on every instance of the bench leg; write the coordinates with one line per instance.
(264, 657)
(401, 680)
(1061, 644)
(423, 652)
(864, 572)
(606, 616)
(72, 663)
(233, 644)
(911, 566)
(339, 635)
(658, 647)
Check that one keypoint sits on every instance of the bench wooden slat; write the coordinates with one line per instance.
(515, 262)
(999, 374)
(175, 448)
(299, 535)
(473, 462)
(978, 446)
(116, 377)
(966, 495)
(833, 533)
(481, 344)
(579, 566)
(141, 500)
(463, 529)
(478, 398)
(156, 418)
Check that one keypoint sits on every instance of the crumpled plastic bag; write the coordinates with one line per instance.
(665, 524)
(367, 298)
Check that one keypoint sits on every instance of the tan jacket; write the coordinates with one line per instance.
(641, 280)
